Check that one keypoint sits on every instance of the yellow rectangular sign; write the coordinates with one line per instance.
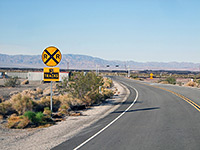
(51, 74)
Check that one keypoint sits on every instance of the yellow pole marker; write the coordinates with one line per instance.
(151, 76)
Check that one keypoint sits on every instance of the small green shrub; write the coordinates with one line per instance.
(36, 118)
(31, 115)
(39, 117)
(171, 80)
(134, 76)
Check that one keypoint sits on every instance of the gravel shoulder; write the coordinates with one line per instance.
(47, 138)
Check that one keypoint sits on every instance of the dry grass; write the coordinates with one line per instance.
(1, 99)
(1, 117)
(6, 108)
(35, 100)
(191, 83)
(39, 90)
(164, 82)
(17, 122)
(21, 103)
(108, 83)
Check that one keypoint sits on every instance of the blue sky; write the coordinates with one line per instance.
(138, 30)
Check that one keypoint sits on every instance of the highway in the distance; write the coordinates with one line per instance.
(155, 119)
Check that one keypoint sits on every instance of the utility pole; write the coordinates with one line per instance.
(67, 65)
(97, 70)
(128, 72)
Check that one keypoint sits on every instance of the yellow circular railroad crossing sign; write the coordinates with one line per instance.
(51, 56)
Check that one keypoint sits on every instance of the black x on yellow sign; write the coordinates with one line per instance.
(51, 56)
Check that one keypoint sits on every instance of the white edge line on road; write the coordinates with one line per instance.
(92, 137)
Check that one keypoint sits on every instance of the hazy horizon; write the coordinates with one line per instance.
(105, 59)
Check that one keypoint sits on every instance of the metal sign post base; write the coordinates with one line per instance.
(51, 98)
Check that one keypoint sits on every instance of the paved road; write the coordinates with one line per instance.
(158, 120)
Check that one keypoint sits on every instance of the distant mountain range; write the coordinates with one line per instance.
(88, 62)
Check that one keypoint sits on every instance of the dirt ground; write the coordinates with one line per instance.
(5, 91)
(178, 80)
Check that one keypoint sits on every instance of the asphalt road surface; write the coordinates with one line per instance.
(150, 119)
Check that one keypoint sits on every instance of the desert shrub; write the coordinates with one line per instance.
(198, 82)
(191, 83)
(81, 86)
(23, 123)
(107, 93)
(21, 103)
(39, 90)
(18, 122)
(107, 82)
(12, 82)
(56, 103)
(171, 80)
(47, 112)
(6, 108)
(134, 76)
(41, 104)
(45, 102)
(180, 83)
(35, 118)
(96, 98)
(39, 117)
(66, 101)
(30, 115)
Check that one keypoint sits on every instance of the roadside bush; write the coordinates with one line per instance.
(198, 82)
(17, 122)
(191, 83)
(171, 80)
(66, 101)
(6, 108)
(35, 118)
(12, 82)
(39, 105)
(96, 98)
(39, 117)
(21, 103)
(23, 123)
(81, 86)
(107, 82)
(134, 76)
(180, 83)
(107, 93)
(39, 90)
(47, 112)
(42, 103)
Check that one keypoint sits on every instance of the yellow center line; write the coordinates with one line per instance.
(195, 105)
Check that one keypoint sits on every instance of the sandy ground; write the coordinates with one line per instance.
(178, 80)
(5, 91)
(46, 138)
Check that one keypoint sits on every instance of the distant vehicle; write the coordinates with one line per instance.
(3, 75)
